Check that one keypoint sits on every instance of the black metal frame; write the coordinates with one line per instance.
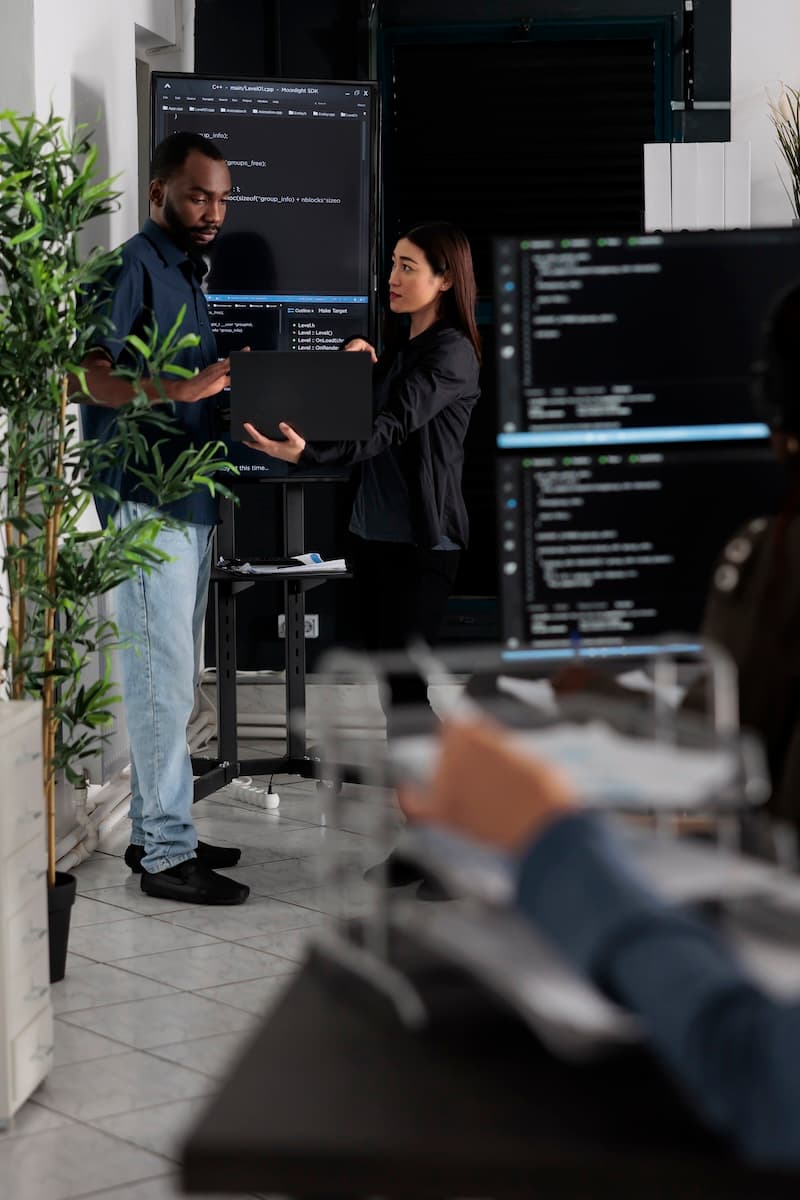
(214, 773)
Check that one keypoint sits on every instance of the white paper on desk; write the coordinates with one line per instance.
(307, 568)
(538, 693)
(682, 871)
(689, 872)
(639, 681)
(470, 868)
(609, 769)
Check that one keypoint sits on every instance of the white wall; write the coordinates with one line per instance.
(765, 52)
(79, 56)
(16, 55)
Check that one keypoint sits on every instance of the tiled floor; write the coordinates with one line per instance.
(157, 998)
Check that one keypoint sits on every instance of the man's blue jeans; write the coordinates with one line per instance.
(161, 613)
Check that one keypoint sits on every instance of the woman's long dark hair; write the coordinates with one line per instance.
(447, 250)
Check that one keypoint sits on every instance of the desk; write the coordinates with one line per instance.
(213, 773)
(334, 1098)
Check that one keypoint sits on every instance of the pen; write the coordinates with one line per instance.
(575, 642)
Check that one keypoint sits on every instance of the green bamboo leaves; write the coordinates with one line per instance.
(54, 564)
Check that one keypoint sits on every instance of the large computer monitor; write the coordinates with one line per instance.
(293, 267)
(630, 449)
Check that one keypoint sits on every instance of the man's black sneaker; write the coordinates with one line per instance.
(212, 856)
(193, 882)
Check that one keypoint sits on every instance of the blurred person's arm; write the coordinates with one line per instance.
(734, 1051)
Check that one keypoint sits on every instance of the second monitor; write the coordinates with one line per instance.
(631, 448)
(604, 550)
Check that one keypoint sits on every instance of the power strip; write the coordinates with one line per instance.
(246, 792)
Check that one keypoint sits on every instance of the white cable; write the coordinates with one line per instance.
(111, 803)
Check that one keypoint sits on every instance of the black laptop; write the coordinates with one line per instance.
(325, 395)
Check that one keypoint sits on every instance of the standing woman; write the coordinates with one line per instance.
(409, 522)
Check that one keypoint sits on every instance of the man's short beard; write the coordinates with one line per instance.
(181, 232)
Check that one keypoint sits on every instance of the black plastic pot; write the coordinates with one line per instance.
(60, 900)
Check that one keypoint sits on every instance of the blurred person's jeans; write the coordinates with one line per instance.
(161, 615)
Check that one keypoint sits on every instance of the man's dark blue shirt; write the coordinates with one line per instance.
(153, 282)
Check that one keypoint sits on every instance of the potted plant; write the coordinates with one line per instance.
(785, 118)
(53, 565)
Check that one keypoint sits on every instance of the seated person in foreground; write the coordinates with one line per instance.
(754, 594)
(754, 598)
(734, 1050)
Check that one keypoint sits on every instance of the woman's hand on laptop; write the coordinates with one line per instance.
(289, 451)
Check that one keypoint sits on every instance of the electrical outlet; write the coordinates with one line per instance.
(310, 625)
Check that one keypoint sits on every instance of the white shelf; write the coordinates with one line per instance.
(26, 1019)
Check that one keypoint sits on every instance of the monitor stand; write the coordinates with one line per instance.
(214, 773)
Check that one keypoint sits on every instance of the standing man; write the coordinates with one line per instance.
(163, 611)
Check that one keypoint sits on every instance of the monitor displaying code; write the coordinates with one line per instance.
(293, 267)
(631, 448)
(606, 548)
(614, 340)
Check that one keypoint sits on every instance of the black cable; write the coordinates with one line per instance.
(277, 55)
(688, 55)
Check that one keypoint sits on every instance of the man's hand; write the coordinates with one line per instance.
(207, 382)
(361, 344)
(289, 451)
(488, 789)
(105, 388)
